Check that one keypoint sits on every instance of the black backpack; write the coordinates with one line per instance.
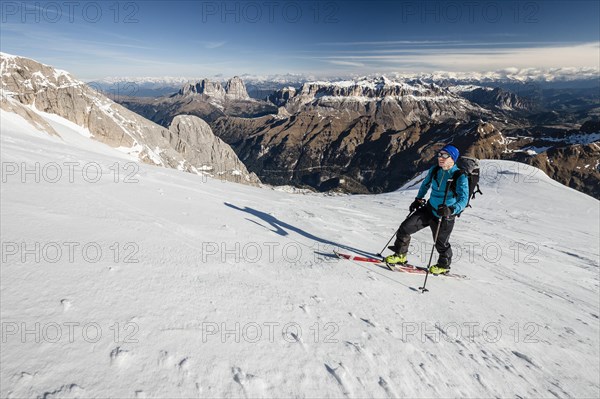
(469, 167)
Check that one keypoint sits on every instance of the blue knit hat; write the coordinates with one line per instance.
(452, 151)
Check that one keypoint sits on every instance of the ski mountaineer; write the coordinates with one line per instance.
(429, 213)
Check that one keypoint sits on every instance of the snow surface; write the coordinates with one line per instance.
(533, 150)
(194, 287)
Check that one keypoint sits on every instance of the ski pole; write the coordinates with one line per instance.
(388, 243)
(437, 232)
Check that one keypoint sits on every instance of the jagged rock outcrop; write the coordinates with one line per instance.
(363, 136)
(282, 96)
(236, 90)
(412, 101)
(212, 89)
(497, 99)
(194, 139)
(204, 99)
(27, 85)
(372, 135)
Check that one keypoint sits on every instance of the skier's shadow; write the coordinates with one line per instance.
(282, 228)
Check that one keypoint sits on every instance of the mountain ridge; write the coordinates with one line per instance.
(26, 84)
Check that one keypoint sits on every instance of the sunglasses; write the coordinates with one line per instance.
(443, 155)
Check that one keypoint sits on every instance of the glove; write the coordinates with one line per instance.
(445, 211)
(417, 203)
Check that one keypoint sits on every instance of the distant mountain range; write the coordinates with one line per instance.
(373, 134)
(259, 86)
(369, 134)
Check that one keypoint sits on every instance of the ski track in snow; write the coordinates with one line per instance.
(199, 316)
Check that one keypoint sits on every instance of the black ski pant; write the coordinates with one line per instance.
(419, 220)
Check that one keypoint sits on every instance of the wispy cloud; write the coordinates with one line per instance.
(99, 58)
(96, 51)
(213, 45)
(41, 37)
(347, 63)
(425, 45)
(577, 55)
(389, 43)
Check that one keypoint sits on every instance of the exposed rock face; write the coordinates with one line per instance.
(570, 156)
(372, 136)
(7, 104)
(414, 101)
(206, 100)
(364, 136)
(575, 166)
(194, 139)
(28, 84)
(496, 99)
(33, 84)
(236, 90)
(212, 89)
(282, 96)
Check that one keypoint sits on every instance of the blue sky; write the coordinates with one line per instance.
(94, 39)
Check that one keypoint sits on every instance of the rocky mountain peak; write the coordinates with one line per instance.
(212, 89)
(236, 89)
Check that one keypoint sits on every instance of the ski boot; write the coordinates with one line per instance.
(396, 259)
(439, 269)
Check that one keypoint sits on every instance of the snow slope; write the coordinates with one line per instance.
(157, 283)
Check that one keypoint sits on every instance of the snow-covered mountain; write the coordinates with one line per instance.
(507, 75)
(352, 134)
(157, 283)
(415, 99)
(30, 88)
(502, 75)
(177, 81)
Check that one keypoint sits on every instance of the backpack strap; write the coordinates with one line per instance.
(434, 174)
(458, 173)
(455, 176)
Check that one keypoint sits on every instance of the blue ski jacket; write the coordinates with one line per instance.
(457, 201)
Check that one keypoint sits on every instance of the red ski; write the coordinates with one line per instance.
(358, 258)
(406, 268)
